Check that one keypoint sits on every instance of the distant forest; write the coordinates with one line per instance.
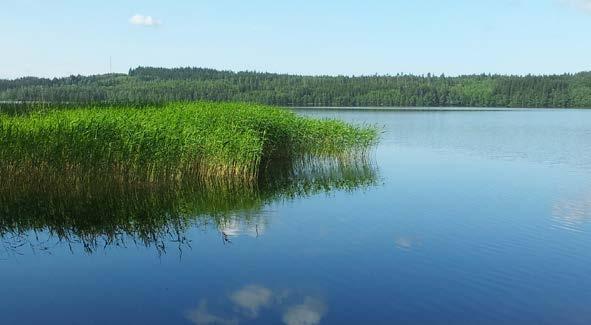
(145, 85)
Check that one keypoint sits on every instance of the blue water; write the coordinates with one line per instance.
(474, 218)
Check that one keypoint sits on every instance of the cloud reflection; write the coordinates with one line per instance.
(252, 298)
(572, 213)
(310, 312)
(201, 316)
(403, 243)
(406, 243)
(236, 227)
(250, 302)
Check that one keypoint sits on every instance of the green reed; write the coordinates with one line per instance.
(201, 140)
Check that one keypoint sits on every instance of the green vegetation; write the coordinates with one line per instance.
(158, 85)
(204, 141)
(42, 211)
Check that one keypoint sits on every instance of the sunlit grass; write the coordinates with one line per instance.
(201, 140)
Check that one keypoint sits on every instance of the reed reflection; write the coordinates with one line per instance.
(44, 211)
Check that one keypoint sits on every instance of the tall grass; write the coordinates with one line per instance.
(203, 140)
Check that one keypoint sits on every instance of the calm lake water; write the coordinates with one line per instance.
(459, 217)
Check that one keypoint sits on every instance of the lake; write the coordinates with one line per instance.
(456, 217)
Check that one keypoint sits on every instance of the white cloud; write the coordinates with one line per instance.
(584, 5)
(142, 20)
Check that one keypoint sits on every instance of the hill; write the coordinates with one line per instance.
(147, 85)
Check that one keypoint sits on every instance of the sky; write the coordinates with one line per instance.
(64, 37)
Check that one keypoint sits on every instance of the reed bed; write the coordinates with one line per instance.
(200, 140)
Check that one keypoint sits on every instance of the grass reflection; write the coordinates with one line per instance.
(94, 212)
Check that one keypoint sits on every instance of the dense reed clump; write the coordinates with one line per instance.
(209, 141)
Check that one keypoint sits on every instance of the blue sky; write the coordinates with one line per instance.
(63, 37)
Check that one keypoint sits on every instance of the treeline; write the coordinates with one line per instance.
(145, 85)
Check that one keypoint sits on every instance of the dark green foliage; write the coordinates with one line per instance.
(158, 85)
(98, 212)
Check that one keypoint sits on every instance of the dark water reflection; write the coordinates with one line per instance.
(39, 214)
(473, 218)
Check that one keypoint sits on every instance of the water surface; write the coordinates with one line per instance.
(459, 217)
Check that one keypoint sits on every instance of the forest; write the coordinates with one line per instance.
(148, 85)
